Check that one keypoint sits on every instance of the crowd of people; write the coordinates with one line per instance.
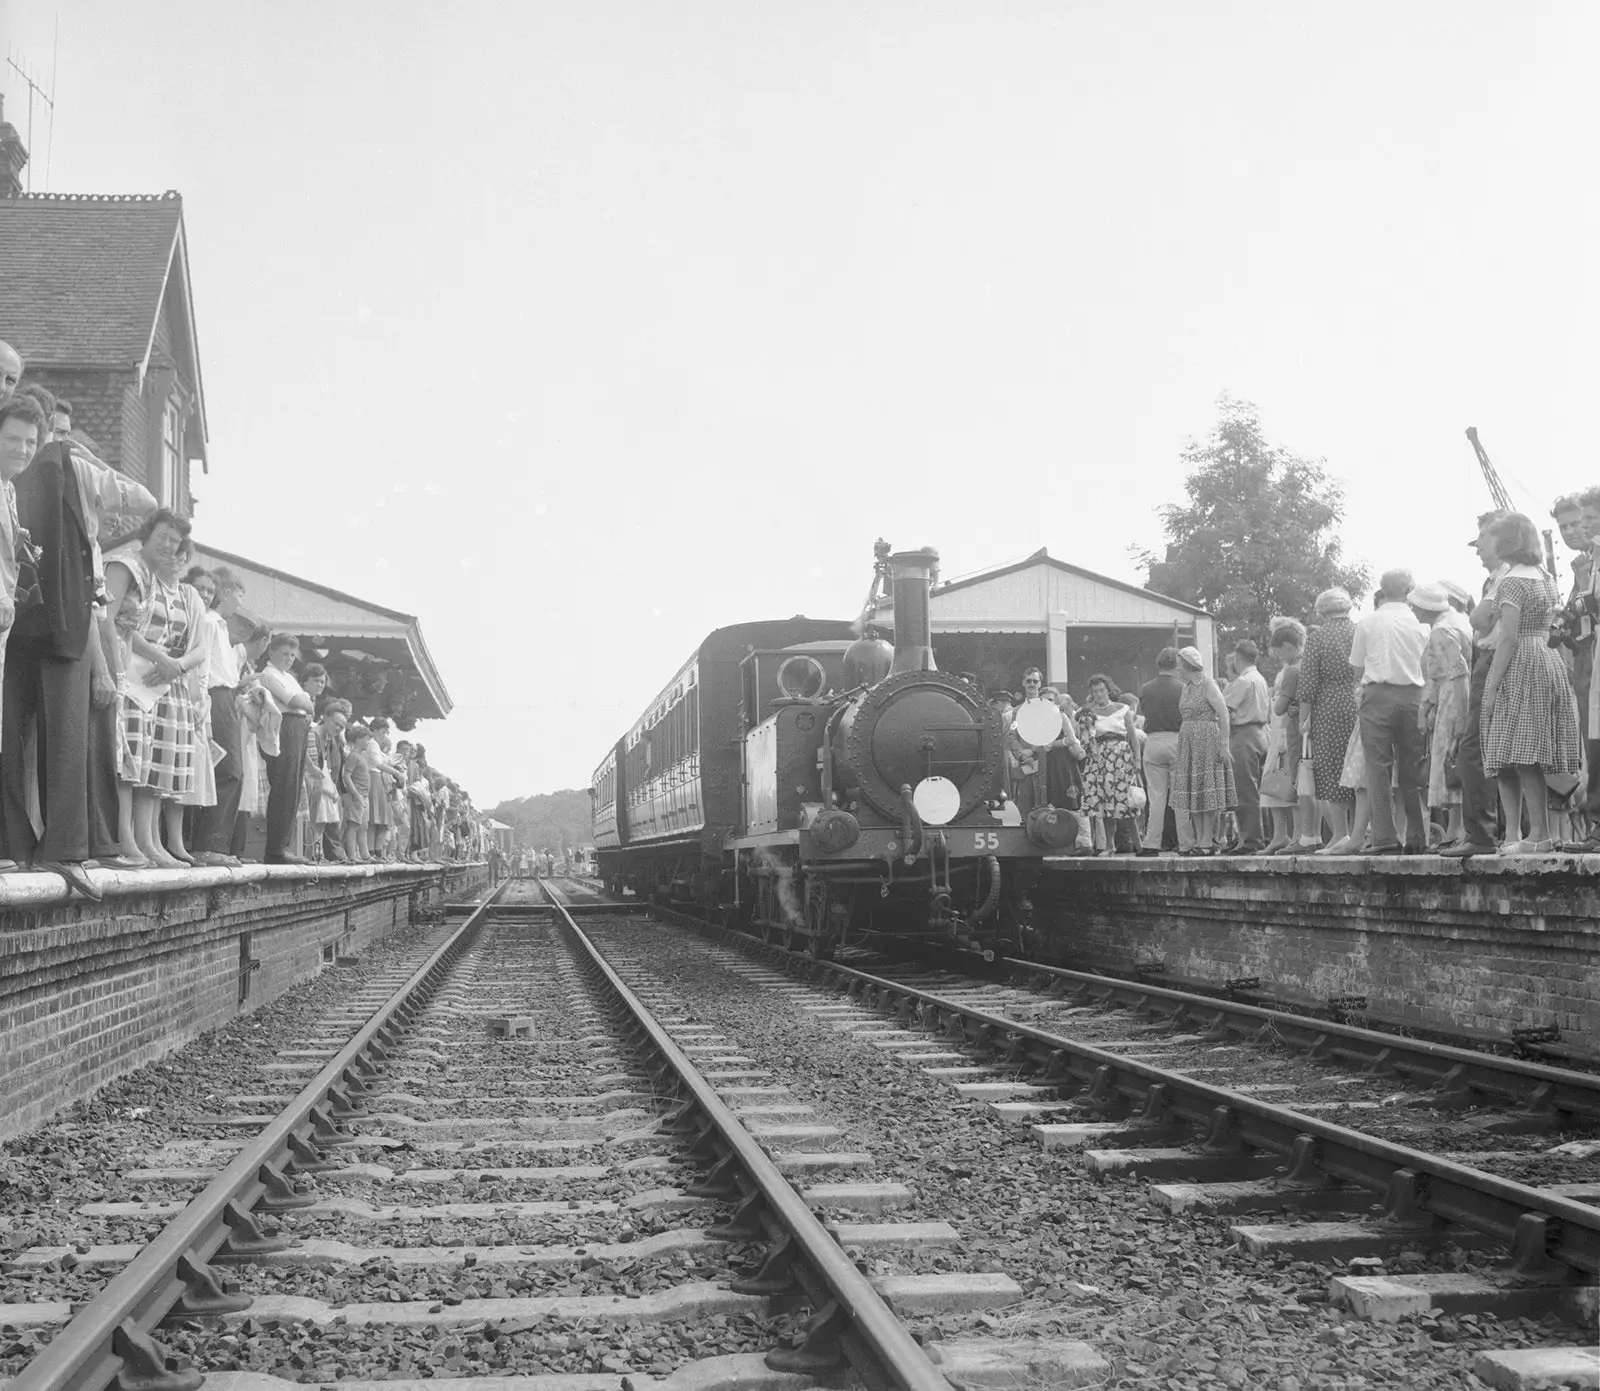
(1439, 721)
(135, 733)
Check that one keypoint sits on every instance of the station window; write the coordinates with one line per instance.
(171, 456)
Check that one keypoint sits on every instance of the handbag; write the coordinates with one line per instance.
(29, 595)
(329, 809)
(1452, 766)
(1276, 781)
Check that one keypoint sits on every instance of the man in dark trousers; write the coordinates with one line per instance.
(1158, 703)
(48, 679)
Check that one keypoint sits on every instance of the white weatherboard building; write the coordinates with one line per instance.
(1068, 621)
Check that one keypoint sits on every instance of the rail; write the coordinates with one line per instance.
(1552, 1238)
(848, 1313)
(109, 1341)
(1461, 1071)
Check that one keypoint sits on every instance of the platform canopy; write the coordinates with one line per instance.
(376, 657)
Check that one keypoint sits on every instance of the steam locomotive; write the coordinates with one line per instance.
(803, 779)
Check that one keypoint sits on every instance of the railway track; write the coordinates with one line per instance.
(899, 1173)
(1397, 1230)
(414, 1211)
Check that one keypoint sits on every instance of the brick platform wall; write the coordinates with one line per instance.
(89, 992)
(1449, 950)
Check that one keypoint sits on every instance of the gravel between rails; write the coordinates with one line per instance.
(80, 1156)
(1169, 1299)
(503, 1092)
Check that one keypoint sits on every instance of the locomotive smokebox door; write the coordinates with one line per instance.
(917, 725)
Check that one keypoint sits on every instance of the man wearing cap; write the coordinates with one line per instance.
(1387, 657)
(1478, 801)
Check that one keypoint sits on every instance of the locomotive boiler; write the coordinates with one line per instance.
(805, 780)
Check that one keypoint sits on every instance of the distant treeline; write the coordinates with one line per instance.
(549, 821)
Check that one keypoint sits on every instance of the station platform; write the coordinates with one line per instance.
(90, 991)
(1482, 948)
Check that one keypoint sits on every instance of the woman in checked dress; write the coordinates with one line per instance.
(1530, 722)
(157, 618)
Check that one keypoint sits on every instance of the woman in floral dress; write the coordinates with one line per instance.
(1107, 730)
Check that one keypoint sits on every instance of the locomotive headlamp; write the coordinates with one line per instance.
(1038, 722)
(937, 800)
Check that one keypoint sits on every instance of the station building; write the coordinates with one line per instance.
(1070, 622)
(97, 299)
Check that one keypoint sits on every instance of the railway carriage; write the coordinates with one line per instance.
(806, 782)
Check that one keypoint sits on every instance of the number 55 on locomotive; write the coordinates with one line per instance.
(813, 785)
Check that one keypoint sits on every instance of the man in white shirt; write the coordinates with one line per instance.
(1249, 705)
(214, 825)
(1387, 657)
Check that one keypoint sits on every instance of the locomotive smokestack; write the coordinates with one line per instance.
(912, 573)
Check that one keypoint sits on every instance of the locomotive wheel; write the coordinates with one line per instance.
(819, 924)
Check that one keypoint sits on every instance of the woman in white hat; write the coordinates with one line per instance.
(1442, 715)
(1202, 776)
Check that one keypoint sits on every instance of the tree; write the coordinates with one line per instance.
(1255, 537)
(553, 821)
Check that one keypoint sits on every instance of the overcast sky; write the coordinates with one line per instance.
(581, 329)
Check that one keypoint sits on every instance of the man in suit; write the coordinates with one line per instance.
(48, 677)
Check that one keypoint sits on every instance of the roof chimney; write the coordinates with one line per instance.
(13, 156)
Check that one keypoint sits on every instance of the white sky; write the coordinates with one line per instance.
(582, 329)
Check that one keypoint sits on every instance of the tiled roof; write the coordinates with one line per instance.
(83, 275)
